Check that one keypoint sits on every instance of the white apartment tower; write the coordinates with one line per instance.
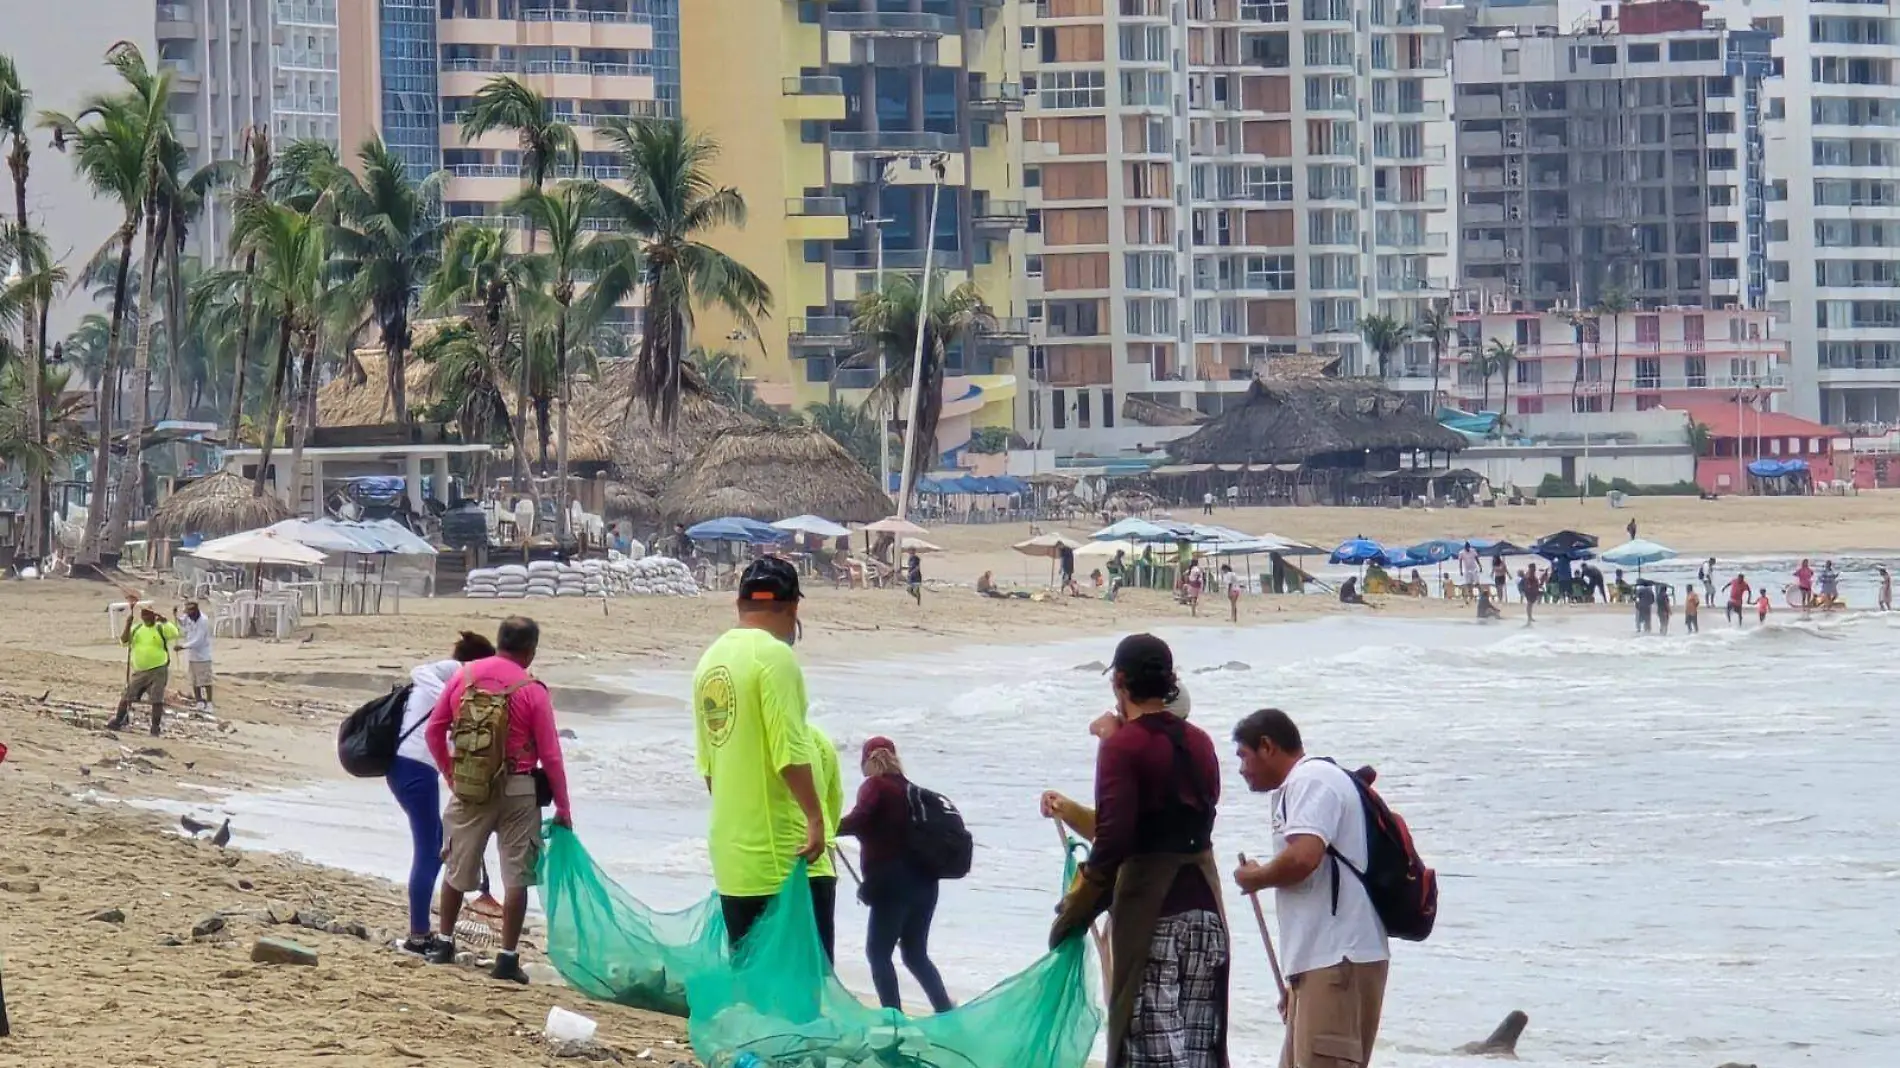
(1213, 185)
(236, 64)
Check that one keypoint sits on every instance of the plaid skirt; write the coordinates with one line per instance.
(1177, 1021)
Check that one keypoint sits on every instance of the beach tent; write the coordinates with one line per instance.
(1637, 553)
(1290, 546)
(737, 528)
(1358, 551)
(1497, 547)
(1108, 549)
(811, 524)
(1776, 468)
(257, 548)
(894, 525)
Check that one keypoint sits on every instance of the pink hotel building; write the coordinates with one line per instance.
(1674, 357)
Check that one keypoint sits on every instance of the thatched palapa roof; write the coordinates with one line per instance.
(1152, 413)
(216, 505)
(1297, 421)
(769, 473)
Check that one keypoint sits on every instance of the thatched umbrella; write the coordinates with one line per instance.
(769, 473)
(215, 505)
(626, 502)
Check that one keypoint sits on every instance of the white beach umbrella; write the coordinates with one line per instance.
(258, 547)
(918, 545)
(811, 524)
(1050, 545)
(894, 525)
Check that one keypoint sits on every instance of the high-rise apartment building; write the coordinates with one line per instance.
(840, 121)
(239, 64)
(415, 67)
(1633, 163)
(1213, 184)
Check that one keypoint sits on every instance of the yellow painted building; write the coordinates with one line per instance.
(830, 114)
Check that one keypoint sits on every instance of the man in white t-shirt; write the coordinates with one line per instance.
(1207, 503)
(1468, 566)
(1332, 943)
(194, 629)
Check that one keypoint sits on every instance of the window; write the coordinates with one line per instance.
(1648, 372)
(1144, 44)
(1108, 409)
(1033, 218)
(1721, 122)
(1696, 368)
(818, 369)
(1032, 266)
(1032, 177)
(1273, 184)
(1140, 88)
(1602, 55)
(1071, 89)
(1082, 409)
(1074, 318)
(1645, 53)
(1274, 273)
(1724, 270)
(1721, 233)
(1721, 159)
(1688, 51)
(1058, 409)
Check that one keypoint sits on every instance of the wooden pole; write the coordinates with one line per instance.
(1266, 939)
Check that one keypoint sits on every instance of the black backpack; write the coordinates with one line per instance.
(1404, 891)
(367, 741)
(939, 841)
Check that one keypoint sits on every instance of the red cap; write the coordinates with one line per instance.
(872, 745)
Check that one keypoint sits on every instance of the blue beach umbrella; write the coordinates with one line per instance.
(1358, 551)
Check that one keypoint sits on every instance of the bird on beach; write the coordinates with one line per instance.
(193, 827)
(223, 837)
(308, 638)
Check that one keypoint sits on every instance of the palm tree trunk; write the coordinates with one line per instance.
(1485, 404)
(141, 386)
(104, 400)
(243, 352)
(1437, 352)
(1616, 356)
(174, 316)
(302, 418)
(1504, 405)
(395, 342)
(34, 546)
(543, 427)
(274, 410)
(562, 525)
(523, 380)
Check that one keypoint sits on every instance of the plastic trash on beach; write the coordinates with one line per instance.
(565, 1026)
(778, 1000)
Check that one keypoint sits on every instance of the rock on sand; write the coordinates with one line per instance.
(282, 951)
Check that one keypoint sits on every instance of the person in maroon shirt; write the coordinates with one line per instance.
(901, 895)
(1157, 783)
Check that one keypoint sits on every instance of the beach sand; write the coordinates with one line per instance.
(84, 991)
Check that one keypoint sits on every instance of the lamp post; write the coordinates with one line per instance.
(923, 319)
(876, 221)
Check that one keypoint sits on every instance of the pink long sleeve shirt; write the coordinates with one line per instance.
(532, 738)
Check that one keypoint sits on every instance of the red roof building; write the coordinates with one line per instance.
(1739, 433)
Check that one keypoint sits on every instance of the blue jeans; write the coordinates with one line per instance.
(418, 790)
(902, 903)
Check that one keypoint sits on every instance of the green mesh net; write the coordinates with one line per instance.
(777, 1003)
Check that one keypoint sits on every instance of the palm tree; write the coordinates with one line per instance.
(387, 244)
(478, 270)
(288, 284)
(849, 425)
(670, 204)
(548, 146)
(886, 321)
(576, 250)
(257, 148)
(1437, 326)
(113, 145)
(1384, 334)
(1500, 356)
(724, 374)
(1701, 439)
(15, 124)
(181, 198)
(1482, 362)
(1614, 303)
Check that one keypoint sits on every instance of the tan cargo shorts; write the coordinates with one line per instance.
(511, 817)
(200, 672)
(1332, 1015)
(147, 686)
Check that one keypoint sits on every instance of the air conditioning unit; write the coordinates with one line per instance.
(1514, 212)
(1513, 108)
(1513, 253)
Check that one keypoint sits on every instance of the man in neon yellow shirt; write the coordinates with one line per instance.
(148, 636)
(824, 877)
(755, 750)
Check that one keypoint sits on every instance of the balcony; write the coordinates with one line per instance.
(813, 99)
(176, 23)
(892, 141)
(1414, 284)
(1001, 215)
(183, 71)
(1428, 198)
(892, 23)
(559, 15)
(820, 331)
(1427, 241)
(1005, 332)
(996, 98)
(816, 219)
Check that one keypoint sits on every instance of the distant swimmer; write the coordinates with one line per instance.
(1761, 607)
(1885, 604)
(1487, 608)
(1691, 605)
(1645, 603)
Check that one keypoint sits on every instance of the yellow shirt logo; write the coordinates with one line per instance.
(717, 705)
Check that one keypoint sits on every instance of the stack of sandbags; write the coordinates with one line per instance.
(570, 581)
(481, 583)
(543, 578)
(594, 577)
(511, 582)
(661, 576)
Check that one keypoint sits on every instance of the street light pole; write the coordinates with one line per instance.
(917, 355)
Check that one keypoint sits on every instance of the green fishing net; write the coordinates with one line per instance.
(777, 998)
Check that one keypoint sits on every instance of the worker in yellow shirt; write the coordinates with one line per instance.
(148, 635)
(824, 877)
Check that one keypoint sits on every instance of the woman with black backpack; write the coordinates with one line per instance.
(900, 891)
(414, 780)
